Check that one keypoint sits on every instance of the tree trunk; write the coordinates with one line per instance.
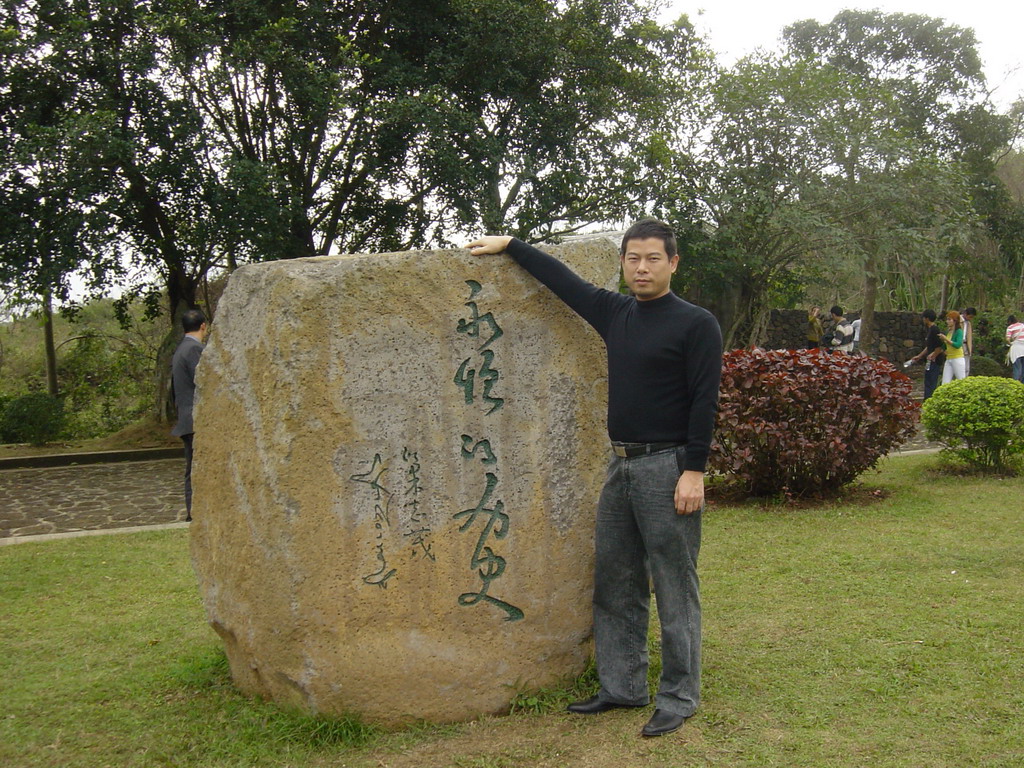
(163, 399)
(726, 306)
(490, 210)
(944, 294)
(868, 342)
(51, 351)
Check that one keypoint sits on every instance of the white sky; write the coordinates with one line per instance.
(737, 27)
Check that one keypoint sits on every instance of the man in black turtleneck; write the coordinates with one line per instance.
(664, 366)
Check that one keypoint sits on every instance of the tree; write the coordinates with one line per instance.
(310, 112)
(566, 123)
(49, 226)
(241, 130)
(142, 147)
(55, 218)
(995, 266)
(214, 133)
(860, 142)
(922, 81)
(95, 66)
(362, 127)
(753, 182)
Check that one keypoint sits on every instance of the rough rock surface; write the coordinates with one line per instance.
(397, 462)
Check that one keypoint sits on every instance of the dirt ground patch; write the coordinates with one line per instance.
(143, 434)
(610, 740)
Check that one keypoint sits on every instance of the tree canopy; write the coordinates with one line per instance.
(172, 138)
(216, 133)
(866, 140)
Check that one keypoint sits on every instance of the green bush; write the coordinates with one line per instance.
(990, 337)
(979, 419)
(104, 386)
(108, 369)
(986, 366)
(35, 418)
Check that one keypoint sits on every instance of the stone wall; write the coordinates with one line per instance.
(900, 334)
(397, 463)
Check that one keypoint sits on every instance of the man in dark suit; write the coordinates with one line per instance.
(183, 382)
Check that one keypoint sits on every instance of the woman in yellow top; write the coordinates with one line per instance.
(814, 329)
(956, 366)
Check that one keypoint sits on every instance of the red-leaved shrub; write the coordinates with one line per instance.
(807, 422)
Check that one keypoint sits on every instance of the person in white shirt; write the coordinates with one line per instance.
(968, 315)
(1015, 338)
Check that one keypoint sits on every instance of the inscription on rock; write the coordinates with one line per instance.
(402, 540)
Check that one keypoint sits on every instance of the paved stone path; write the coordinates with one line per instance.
(96, 497)
(90, 497)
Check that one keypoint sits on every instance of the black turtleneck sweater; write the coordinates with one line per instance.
(664, 358)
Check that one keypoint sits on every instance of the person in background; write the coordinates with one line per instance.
(183, 384)
(842, 335)
(932, 353)
(856, 334)
(1015, 338)
(814, 329)
(954, 343)
(968, 316)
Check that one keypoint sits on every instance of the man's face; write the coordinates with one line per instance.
(647, 269)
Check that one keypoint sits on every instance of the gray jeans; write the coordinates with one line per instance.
(640, 536)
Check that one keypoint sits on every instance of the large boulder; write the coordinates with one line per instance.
(397, 462)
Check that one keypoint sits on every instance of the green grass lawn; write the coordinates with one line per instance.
(886, 632)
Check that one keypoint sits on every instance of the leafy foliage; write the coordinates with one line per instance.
(855, 155)
(197, 136)
(106, 385)
(930, 126)
(104, 365)
(979, 419)
(761, 161)
(807, 422)
(35, 418)
(990, 341)
(192, 137)
(986, 366)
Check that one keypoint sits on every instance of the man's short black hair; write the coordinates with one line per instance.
(836, 310)
(650, 227)
(971, 311)
(929, 314)
(1011, 320)
(192, 320)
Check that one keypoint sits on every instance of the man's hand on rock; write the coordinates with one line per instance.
(489, 244)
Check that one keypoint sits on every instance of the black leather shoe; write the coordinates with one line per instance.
(663, 722)
(594, 706)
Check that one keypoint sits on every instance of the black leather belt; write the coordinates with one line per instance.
(629, 450)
